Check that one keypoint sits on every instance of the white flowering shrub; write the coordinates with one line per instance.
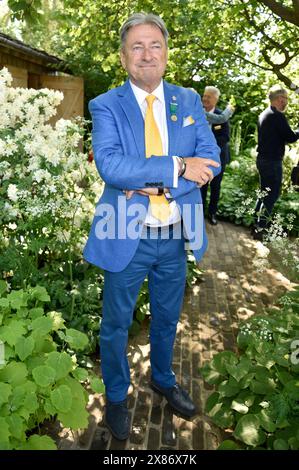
(47, 193)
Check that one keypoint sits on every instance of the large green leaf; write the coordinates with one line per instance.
(16, 426)
(41, 326)
(14, 373)
(61, 362)
(228, 445)
(97, 385)
(5, 392)
(40, 293)
(44, 375)
(239, 406)
(76, 339)
(24, 347)
(4, 434)
(229, 388)
(80, 374)
(3, 287)
(61, 398)
(248, 431)
(266, 421)
(18, 299)
(221, 360)
(11, 332)
(36, 442)
(240, 370)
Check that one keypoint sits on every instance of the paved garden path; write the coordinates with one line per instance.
(230, 291)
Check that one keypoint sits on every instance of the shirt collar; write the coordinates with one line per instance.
(140, 94)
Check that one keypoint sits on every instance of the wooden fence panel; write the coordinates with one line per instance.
(73, 90)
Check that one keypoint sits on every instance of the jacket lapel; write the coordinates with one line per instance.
(131, 109)
(174, 126)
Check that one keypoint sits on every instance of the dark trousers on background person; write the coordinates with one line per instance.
(215, 187)
(270, 177)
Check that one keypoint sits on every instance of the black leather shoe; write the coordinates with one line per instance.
(258, 233)
(177, 398)
(213, 220)
(117, 419)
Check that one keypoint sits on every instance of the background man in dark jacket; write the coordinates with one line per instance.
(221, 132)
(274, 133)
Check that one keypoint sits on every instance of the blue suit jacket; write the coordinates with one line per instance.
(119, 153)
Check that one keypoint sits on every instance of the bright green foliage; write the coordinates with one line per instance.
(257, 391)
(38, 381)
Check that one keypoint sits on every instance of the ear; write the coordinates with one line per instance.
(123, 59)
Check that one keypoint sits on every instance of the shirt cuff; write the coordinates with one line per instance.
(175, 172)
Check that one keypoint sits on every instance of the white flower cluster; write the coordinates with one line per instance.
(41, 166)
(259, 328)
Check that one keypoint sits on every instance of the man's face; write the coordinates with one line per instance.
(281, 102)
(209, 100)
(144, 56)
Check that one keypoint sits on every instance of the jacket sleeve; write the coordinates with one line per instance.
(118, 169)
(219, 118)
(284, 129)
(205, 147)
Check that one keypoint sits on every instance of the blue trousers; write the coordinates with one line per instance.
(163, 260)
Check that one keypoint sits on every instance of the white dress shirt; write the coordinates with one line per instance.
(161, 121)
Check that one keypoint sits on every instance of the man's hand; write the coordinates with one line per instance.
(143, 192)
(197, 170)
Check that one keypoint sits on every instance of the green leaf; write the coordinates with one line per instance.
(5, 392)
(44, 375)
(221, 360)
(280, 444)
(97, 385)
(246, 381)
(80, 374)
(61, 398)
(41, 294)
(229, 388)
(36, 312)
(11, 332)
(292, 389)
(16, 426)
(228, 445)
(210, 375)
(61, 362)
(247, 431)
(77, 416)
(266, 421)
(3, 287)
(18, 299)
(213, 404)
(37, 442)
(41, 326)
(240, 370)
(239, 406)
(76, 339)
(224, 418)
(24, 347)
(14, 373)
(4, 434)
(262, 388)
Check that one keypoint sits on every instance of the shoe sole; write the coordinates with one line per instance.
(184, 415)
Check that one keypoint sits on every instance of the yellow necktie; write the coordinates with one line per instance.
(153, 146)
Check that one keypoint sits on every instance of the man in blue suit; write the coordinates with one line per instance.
(153, 148)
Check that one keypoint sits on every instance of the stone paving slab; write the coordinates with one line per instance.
(231, 291)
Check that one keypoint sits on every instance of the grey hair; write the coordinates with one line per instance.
(275, 91)
(213, 90)
(142, 18)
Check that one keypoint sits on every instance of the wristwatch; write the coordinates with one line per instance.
(182, 166)
(160, 191)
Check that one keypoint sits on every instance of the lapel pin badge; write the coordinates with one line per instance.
(173, 110)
